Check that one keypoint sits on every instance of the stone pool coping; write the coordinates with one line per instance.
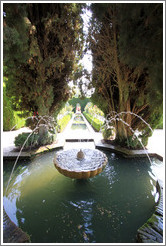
(13, 154)
(12, 233)
(126, 152)
(150, 232)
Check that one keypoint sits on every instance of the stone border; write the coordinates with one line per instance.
(127, 152)
(12, 155)
(12, 233)
(152, 230)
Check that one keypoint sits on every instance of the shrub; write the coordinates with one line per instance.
(96, 123)
(62, 123)
(132, 142)
(108, 133)
(8, 115)
(31, 142)
(34, 140)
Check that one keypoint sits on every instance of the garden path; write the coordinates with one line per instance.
(156, 141)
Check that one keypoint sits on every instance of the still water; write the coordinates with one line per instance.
(108, 208)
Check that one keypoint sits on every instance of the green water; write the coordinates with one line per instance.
(79, 127)
(108, 208)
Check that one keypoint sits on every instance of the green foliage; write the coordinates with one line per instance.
(127, 65)
(144, 23)
(108, 133)
(160, 123)
(8, 114)
(81, 101)
(15, 34)
(19, 121)
(31, 122)
(10, 118)
(32, 141)
(52, 39)
(96, 123)
(62, 123)
(93, 109)
(66, 109)
(46, 138)
(133, 143)
(97, 98)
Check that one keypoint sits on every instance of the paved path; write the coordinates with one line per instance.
(156, 143)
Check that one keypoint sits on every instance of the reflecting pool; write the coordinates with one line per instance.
(108, 208)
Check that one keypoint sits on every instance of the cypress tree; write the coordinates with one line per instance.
(125, 79)
(42, 46)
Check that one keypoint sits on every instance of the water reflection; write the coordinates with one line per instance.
(101, 209)
(85, 229)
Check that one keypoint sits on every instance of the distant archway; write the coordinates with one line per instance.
(78, 108)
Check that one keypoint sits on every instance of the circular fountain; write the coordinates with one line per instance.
(80, 164)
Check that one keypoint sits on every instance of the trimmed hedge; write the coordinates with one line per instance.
(96, 123)
(8, 114)
(10, 117)
(82, 102)
(62, 123)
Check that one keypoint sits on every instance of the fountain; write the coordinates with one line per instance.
(80, 164)
(108, 201)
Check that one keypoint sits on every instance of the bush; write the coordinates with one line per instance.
(34, 140)
(31, 142)
(133, 142)
(108, 133)
(62, 123)
(96, 123)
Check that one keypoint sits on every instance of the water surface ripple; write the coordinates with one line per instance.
(108, 208)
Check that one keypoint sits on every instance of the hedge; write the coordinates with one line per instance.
(62, 123)
(10, 117)
(82, 102)
(96, 123)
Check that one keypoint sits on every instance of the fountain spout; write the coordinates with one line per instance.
(80, 155)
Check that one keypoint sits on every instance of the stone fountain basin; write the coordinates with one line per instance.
(92, 164)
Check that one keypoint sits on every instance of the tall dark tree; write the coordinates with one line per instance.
(42, 46)
(126, 45)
